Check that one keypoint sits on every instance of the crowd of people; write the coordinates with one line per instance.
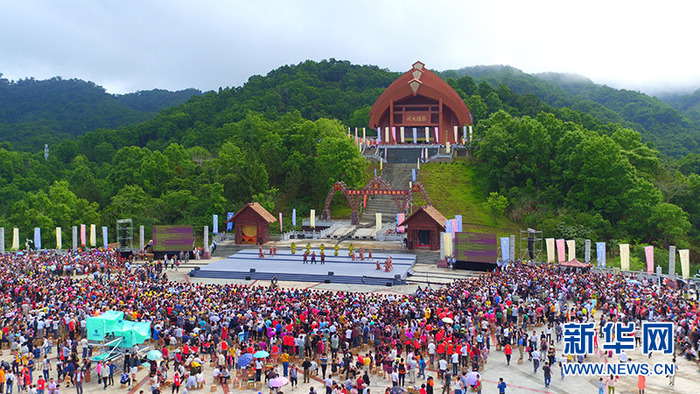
(341, 336)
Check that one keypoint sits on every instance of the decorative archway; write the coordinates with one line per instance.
(377, 186)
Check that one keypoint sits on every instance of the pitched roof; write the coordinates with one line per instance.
(257, 208)
(432, 212)
(420, 80)
(575, 263)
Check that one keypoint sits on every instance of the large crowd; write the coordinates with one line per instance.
(342, 337)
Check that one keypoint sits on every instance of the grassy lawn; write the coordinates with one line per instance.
(452, 191)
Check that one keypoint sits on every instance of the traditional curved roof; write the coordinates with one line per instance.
(420, 81)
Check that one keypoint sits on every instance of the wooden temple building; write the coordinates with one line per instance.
(252, 224)
(421, 104)
(423, 228)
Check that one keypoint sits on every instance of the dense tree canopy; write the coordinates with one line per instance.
(573, 167)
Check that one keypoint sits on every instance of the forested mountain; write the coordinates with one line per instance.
(34, 113)
(688, 104)
(661, 125)
(280, 139)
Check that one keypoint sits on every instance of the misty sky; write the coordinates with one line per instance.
(136, 45)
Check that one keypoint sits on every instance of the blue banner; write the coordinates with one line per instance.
(600, 253)
(413, 174)
(415, 136)
(375, 172)
(105, 238)
(229, 224)
(448, 227)
(505, 249)
(294, 218)
(458, 218)
(37, 238)
(379, 134)
(215, 226)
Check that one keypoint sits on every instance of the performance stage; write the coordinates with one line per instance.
(290, 267)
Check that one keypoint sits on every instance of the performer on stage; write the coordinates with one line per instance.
(370, 254)
(323, 258)
(261, 254)
(313, 257)
(362, 254)
(379, 266)
(305, 257)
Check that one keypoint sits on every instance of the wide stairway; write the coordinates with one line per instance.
(398, 175)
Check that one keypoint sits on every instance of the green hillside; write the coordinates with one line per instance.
(454, 190)
(280, 139)
(661, 125)
(34, 113)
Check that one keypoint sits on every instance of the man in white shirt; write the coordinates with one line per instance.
(431, 352)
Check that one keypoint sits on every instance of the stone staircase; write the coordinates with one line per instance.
(398, 175)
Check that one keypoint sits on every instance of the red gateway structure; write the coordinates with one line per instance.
(420, 100)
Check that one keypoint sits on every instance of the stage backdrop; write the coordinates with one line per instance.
(172, 238)
(478, 251)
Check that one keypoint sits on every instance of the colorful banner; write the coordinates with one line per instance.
(142, 237)
(625, 257)
(571, 245)
(393, 134)
(437, 135)
(15, 238)
(229, 222)
(422, 153)
(649, 253)
(379, 135)
(74, 230)
(400, 217)
(685, 262)
(364, 199)
(59, 240)
(505, 249)
(83, 236)
(37, 238)
(549, 242)
(294, 218)
(447, 244)
(672, 261)
(471, 137)
(454, 227)
(587, 251)
(415, 136)
(93, 236)
(105, 237)
(401, 130)
(281, 222)
(600, 253)
(312, 218)
(215, 224)
(364, 134)
(456, 130)
(464, 133)
(378, 220)
(448, 227)
(2, 239)
(387, 140)
(561, 250)
(427, 134)
(447, 147)
(413, 174)
(458, 218)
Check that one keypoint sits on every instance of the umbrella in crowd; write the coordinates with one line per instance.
(447, 320)
(260, 354)
(278, 382)
(154, 355)
(245, 360)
